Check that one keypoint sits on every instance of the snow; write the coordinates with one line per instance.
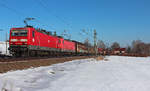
(116, 74)
(3, 47)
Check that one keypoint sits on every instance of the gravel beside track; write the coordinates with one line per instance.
(11, 64)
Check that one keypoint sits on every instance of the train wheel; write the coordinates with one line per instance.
(17, 54)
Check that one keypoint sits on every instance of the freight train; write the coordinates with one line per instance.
(29, 41)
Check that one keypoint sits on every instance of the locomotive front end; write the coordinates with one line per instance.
(18, 41)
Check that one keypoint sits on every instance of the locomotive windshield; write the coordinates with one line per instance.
(19, 33)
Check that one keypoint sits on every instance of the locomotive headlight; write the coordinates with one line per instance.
(23, 40)
(13, 40)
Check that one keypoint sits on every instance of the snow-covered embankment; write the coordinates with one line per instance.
(117, 74)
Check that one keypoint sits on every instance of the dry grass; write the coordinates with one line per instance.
(99, 58)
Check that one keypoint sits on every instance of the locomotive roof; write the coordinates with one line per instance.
(45, 32)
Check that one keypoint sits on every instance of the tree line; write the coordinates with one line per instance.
(139, 47)
(136, 47)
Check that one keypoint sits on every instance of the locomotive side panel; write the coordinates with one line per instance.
(68, 46)
(41, 41)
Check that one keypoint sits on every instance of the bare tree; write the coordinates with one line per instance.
(148, 49)
(101, 44)
(135, 44)
(87, 42)
(115, 45)
(128, 49)
(140, 47)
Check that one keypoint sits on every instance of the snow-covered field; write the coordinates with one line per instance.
(116, 74)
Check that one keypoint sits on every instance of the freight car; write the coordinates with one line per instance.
(80, 48)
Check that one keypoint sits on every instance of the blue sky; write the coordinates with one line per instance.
(114, 20)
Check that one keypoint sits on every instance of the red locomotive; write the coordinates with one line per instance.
(29, 41)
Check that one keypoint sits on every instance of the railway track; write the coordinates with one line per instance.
(6, 58)
(9, 63)
(15, 59)
(20, 59)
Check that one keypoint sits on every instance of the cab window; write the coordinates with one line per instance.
(19, 33)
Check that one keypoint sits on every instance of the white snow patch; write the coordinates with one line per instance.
(117, 74)
(3, 48)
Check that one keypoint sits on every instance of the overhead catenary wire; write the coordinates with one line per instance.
(86, 33)
(65, 34)
(20, 14)
(41, 3)
(11, 9)
(38, 21)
